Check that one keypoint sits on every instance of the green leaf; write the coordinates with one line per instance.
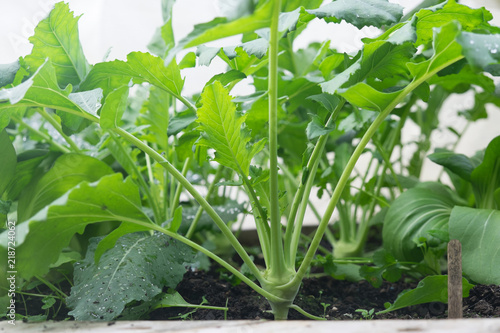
(66, 257)
(430, 289)
(108, 76)
(228, 77)
(141, 67)
(361, 13)
(317, 128)
(136, 269)
(222, 130)
(155, 114)
(457, 163)
(8, 73)
(42, 90)
(48, 302)
(486, 177)
(27, 163)
(172, 299)
(366, 97)
(379, 60)
(482, 51)
(89, 101)
(163, 39)
(446, 50)
(189, 61)
(220, 27)
(328, 101)
(40, 240)
(9, 161)
(412, 215)
(4, 210)
(149, 68)
(357, 120)
(462, 81)
(113, 108)
(206, 54)
(478, 230)
(57, 38)
(68, 171)
(176, 220)
(435, 17)
(180, 121)
(125, 155)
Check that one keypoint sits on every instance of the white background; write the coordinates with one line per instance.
(123, 26)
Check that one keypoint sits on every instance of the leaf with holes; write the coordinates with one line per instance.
(360, 13)
(136, 269)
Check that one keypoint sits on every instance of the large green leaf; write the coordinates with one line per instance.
(478, 230)
(57, 38)
(377, 58)
(68, 171)
(486, 177)
(412, 215)
(446, 50)
(136, 269)
(220, 27)
(366, 97)
(42, 90)
(361, 13)
(457, 163)
(437, 16)
(41, 239)
(141, 67)
(222, 129)
(380, 60)
(108, 76)
(482, 51)
(9, 161)
(152, 69)
(430, 289)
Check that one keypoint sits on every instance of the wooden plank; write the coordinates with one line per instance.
(455, 292)
(486, 325)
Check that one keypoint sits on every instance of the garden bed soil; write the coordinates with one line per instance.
(341, 299)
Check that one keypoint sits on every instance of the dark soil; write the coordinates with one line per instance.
(341, 299)
(335, 299)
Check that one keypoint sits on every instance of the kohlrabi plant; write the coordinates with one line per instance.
(92, 124)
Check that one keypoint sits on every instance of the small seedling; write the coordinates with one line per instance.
(366, 314)
(325, 306)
